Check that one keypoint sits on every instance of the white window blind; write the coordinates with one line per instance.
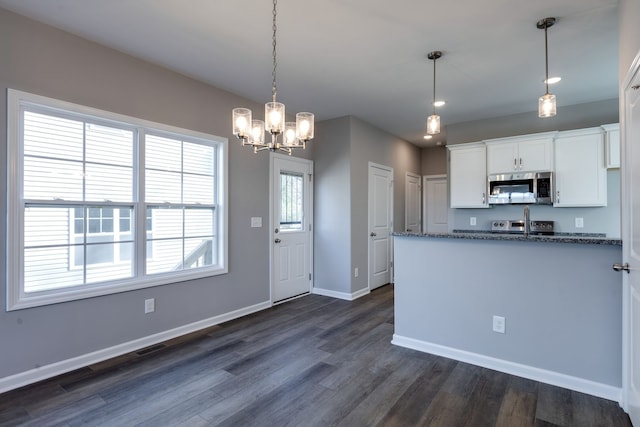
(101, 203)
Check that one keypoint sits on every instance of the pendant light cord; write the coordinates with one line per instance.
(274, 27)
(546, 58)
(434, 85)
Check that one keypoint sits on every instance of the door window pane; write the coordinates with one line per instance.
(291, 199)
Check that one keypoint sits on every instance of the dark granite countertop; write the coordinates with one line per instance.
(581, 238)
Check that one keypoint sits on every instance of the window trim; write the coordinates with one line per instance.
(15, 296)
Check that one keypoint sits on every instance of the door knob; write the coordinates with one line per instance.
(622, 267)
(277, 240)
(373, 234)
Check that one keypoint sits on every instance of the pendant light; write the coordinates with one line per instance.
(547, 102)
(252, 132)
(433, 121)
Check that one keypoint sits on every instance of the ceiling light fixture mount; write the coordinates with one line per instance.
(547, 102)
(433, 121)
(252, 132)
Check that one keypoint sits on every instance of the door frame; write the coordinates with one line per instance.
(626, 225)
(425, 179)
(270, 234)
(369, 226)
(408, 175)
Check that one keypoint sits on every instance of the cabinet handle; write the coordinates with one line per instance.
(483, 198)
(520, 162)
(558, 196)
(515, 163)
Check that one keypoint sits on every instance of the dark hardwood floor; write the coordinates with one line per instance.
(314, 361)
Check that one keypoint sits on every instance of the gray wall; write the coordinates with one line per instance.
(332, 205)
(562, 316)
(434, 160)
(342, 152)
(629, 11)
(42, 60)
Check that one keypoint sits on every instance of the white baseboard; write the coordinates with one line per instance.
(34, 375)
(341, 295)
(542, 375)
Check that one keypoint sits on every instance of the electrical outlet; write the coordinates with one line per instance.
(149, 305)
(499, 324)
(472, 220)
(356, 272)
(579, 222)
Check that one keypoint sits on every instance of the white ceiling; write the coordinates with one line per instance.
(365, 58)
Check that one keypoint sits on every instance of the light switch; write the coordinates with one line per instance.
(256, 221)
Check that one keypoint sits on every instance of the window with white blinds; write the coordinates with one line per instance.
(102, 203)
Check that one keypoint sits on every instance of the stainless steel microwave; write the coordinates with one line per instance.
(521, 188)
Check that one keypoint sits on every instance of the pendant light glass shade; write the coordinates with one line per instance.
(304, 126)
(274, 117)
(289, 137)
(547, 105)
(257, 132)
(433, 124)
(241, 123)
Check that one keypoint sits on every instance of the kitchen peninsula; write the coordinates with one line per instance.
(556, 298)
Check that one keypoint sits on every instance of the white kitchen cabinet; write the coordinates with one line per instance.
(580, 172)
(468, 176)
(612, 145)
(525, 153)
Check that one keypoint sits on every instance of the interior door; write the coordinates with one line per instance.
(380, 224)
(291, 219)
(436, 207)
(630, 129)
(412, 190)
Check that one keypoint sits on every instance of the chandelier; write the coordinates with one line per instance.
(547, 102)
(433, 121)
(252, 132)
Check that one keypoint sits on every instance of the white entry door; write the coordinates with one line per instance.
(436, 207)
(291, 222)
(412, 192)
(380, 224)
(630, 131)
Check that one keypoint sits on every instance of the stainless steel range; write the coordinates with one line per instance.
(518, 227)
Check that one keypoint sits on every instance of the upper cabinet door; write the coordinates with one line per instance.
(581, 175)
(527, 153)
(502, 158)
(468, 176)
(535, 155)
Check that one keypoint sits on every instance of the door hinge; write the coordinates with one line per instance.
(391, 264)
(309, 276)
